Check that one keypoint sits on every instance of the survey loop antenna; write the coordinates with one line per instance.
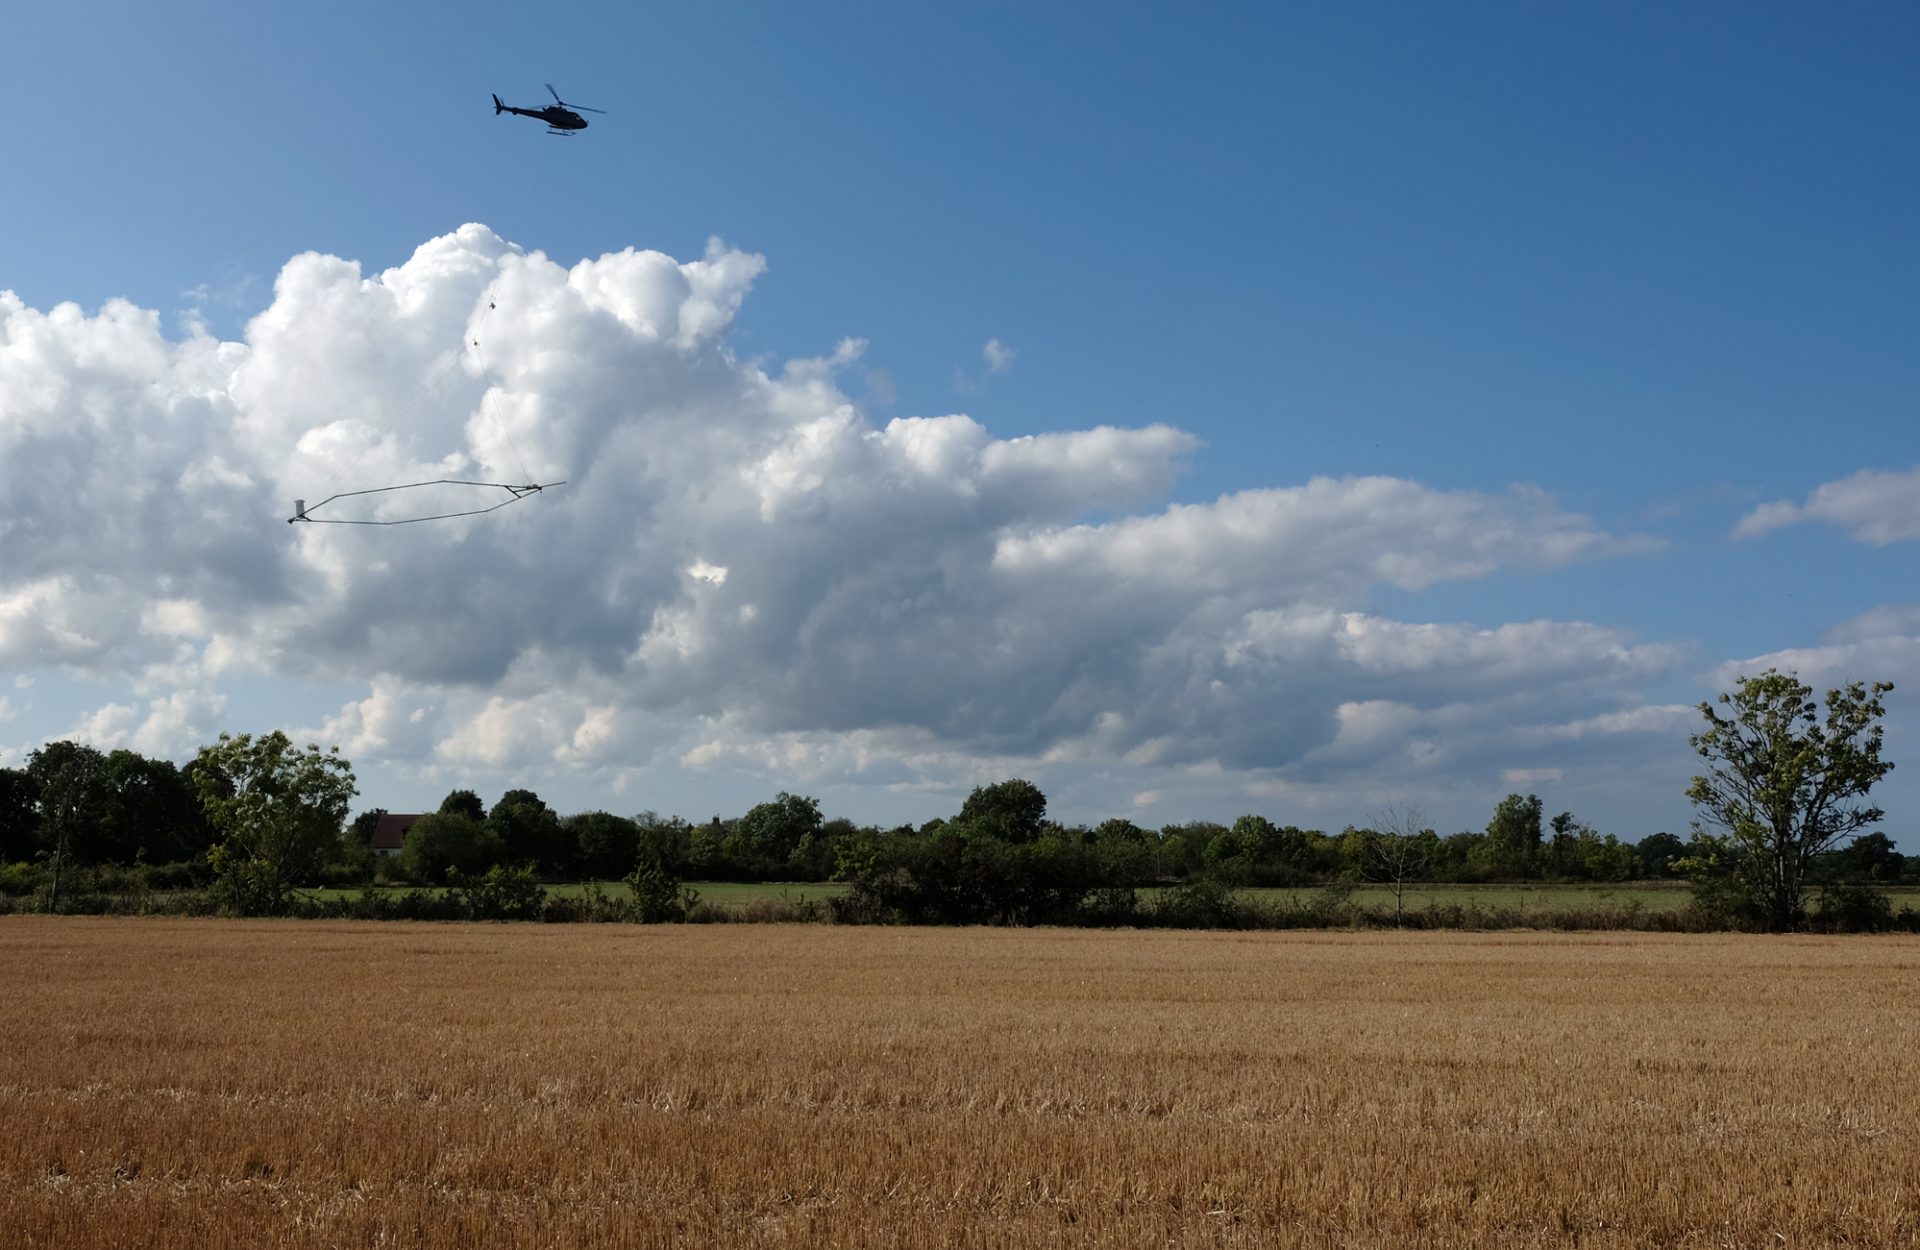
(514, 492)
(303, 513)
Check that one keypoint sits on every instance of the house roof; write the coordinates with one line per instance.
(390, 831)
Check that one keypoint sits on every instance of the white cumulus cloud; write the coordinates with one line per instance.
(743, 570)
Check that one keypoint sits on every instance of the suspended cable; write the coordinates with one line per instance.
(301, 512)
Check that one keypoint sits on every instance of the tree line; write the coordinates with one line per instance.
(256, 819)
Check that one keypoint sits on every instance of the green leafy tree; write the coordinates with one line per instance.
(659, 896)
(278, 811)
(1183, 848)
(1784, 786)
(442, 843)
(463, 803)
(668, 839)
(1657, 852)
(767, 836)
(608, 846)
(73, 793)
(1512, 847)
(1238, 855)
(361, 830)
(149, 812)
(1129, 854)
(530, 833)
(1012, 811)
(1870, 857)
(499, 893)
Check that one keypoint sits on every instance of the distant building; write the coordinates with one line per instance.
(390, 832)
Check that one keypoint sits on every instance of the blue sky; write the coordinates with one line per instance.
(1657, 262)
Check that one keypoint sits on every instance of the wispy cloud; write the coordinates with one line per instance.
(1874, 505)
(998, 355)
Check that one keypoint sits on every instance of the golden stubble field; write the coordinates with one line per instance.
(236, 1084)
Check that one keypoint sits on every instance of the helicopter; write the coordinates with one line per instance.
(559, 116)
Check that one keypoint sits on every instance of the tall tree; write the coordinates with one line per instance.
(1784, 785)
(530, 833)
(1396, 850)
(72, 795)
(1513, 836)
(463, 803)
(769, 833)
(278, 811)
(607, 846)
(443, 840)
(1012, 811)
(150, 812)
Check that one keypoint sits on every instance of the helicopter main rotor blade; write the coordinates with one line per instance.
(554, 94)
(584, 109)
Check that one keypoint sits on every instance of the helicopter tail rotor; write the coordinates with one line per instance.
(498, 108)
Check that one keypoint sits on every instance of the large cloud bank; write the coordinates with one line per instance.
(744, 569)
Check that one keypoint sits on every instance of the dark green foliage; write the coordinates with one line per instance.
(443, 842)
(966, 872)
(1183, 848)
(1238, 855)
(1109, 906)
(765, 839)
(1852, 907)
(352, 862)
(72, 792)
(1870, 857)
(149, 812)
(19, 815)
(659, 897)
(1657, 852)
(1512, 848)
(592, 905)
(361, 830)
(530, 833)
(20, 877)
(278, 811)
(665, 839)
(606, 847)
(1199, 904)
(1576, 852)
(499, 893)
(463, 803)
(1129, 855)
(1007, 811)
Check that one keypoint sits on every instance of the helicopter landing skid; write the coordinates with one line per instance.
(564, 134)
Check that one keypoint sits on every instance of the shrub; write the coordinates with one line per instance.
(658, 895)
(1109, 907)
(499, 893)
(1203, 903)
(20, 878)
(1853, 907)
(593, 905)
